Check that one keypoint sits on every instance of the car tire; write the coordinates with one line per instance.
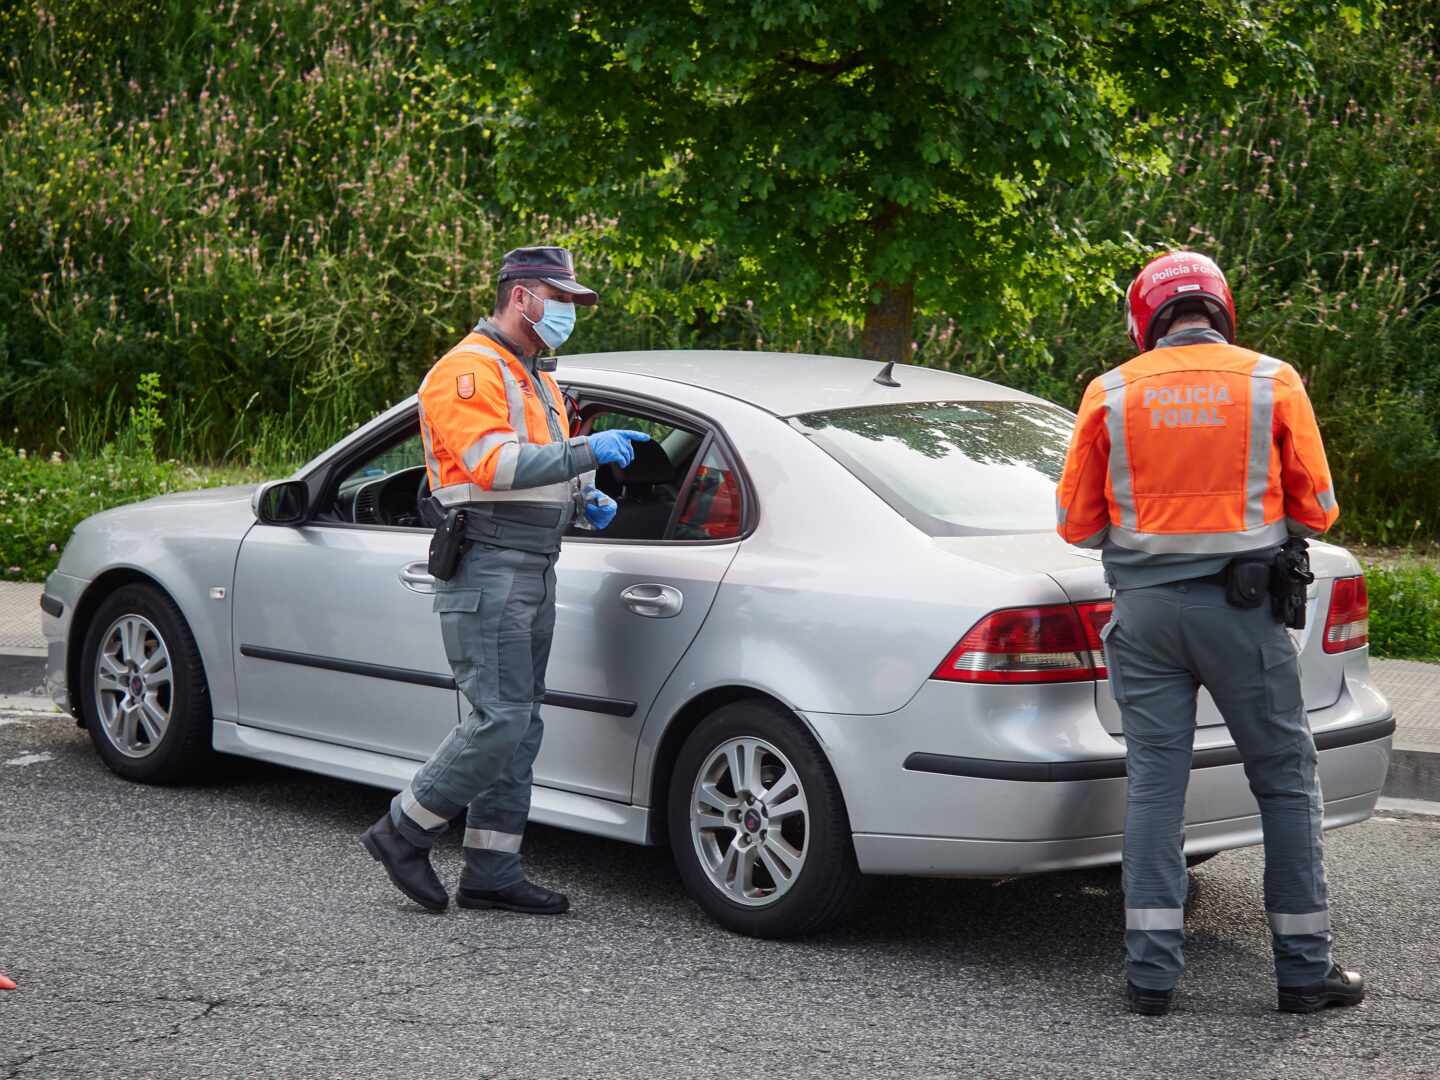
(135, 628)
(1196, 860)
(824, 888)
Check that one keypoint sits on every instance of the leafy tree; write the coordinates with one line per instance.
(850, 155)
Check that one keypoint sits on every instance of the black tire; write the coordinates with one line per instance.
(1196, 860)
(184, 752)
(828, 885)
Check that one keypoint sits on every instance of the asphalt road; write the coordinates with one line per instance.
(238, 929)
(22, 675)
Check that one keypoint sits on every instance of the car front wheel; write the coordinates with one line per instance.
(143, 691)
(758, 826)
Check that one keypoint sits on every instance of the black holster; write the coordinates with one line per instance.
(1290, 580)
(446, 545)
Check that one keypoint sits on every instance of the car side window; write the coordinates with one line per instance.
(713, 506)
(362, 499)
(648, 489)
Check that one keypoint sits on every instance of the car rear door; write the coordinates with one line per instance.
(631, 599)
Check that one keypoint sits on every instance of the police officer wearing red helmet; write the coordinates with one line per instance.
(1197, 469)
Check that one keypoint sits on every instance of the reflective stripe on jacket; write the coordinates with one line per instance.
(1205, 449)
(496, 438)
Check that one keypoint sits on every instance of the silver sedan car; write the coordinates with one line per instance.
(830, 633)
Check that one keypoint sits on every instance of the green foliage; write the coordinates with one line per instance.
(145, 418)
(244, 195)
(1404, 611)
(43, 498)
(286, 211)
(854, 157)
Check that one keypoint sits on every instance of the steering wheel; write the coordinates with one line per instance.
(422, 492)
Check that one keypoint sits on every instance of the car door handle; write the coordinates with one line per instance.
(654, 601)
(416, 577)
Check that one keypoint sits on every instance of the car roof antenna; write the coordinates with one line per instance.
(885, 378)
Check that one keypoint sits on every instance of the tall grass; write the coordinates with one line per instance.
(247, 199)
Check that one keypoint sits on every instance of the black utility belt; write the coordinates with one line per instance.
(1284, 579)
(533, 527)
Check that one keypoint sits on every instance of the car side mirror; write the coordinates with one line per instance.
(284, 502)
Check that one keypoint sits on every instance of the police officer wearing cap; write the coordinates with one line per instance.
(1194, 467)
(497, 445)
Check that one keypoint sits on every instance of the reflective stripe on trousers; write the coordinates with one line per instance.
(497, 619)
(1161, 642)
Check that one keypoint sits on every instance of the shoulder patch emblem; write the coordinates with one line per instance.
(525, 387)
(465, 385)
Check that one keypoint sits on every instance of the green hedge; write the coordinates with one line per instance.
(43, 498)
(1404, 611)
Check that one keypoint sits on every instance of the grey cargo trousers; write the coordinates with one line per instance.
(497, 617)
(1162, 644)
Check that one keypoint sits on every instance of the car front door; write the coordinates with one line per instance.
(335, 638)
(631, 599)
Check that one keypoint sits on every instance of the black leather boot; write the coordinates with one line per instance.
(523, 896)
(1147, 1002)
(408, 866)
(1339, 987)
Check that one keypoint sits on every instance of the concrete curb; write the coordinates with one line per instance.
(1414, 774)
(1402, 807)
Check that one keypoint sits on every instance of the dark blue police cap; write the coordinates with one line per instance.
(552, 265)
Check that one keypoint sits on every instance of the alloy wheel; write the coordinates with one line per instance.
(134, 690)
(750, 821)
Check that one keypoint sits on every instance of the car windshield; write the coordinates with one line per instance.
(953, 467)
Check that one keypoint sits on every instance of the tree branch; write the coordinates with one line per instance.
(831, 69)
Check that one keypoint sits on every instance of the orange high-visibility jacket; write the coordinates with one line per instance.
(497, 432)
(1203, 449)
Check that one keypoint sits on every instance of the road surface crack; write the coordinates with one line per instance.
(14, 1067)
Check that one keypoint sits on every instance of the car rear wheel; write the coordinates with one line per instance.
(758, 826)
(143, 691)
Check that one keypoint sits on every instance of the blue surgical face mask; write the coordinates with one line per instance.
(556, 325)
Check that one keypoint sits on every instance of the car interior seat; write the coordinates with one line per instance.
(645, 491)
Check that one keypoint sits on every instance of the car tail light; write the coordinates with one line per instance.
(1347, 626)
(1059, 643)
(1093, 617)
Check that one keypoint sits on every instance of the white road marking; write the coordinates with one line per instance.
(31, 759)
(6, 722)
(28, 703)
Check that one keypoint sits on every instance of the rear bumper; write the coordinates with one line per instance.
(941, 856)
(1114, 768)
(977, 782)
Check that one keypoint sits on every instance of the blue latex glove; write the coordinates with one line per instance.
(599, 508)
(613, 447)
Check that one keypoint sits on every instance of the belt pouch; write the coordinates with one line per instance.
(1247, 582)
(446, 544)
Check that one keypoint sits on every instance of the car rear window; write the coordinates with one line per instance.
(953, 467)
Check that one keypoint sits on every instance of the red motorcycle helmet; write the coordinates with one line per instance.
(1183, 282)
